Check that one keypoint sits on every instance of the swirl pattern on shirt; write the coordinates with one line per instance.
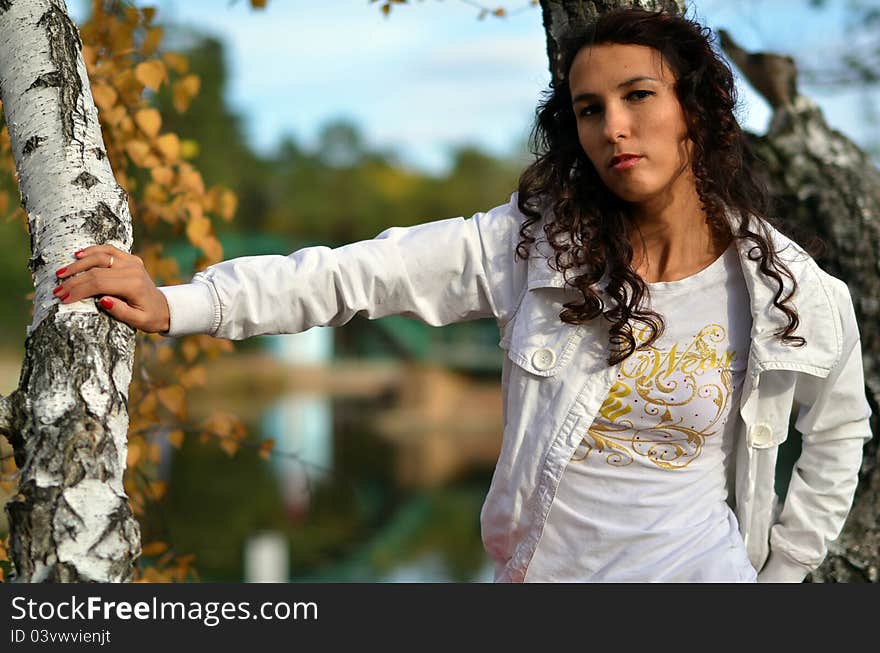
(648, 413)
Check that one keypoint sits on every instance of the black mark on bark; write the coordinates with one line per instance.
(33, 143)
(99, 153)
(85, 180)
(104, 224)
(47, 80)
(64, 49)
(35, 262)
(5, 5)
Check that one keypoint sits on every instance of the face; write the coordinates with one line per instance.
(630, 123)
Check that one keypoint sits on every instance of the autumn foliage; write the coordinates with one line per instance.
(168, 198)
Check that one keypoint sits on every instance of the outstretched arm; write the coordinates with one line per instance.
(440, 272)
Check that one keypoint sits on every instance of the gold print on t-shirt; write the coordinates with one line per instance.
(662, 380)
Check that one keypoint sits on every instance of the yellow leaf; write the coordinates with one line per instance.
(134, 454)
(167, 268)
(151, 40)
(184, 91)
(151, 73)
(114, 116)
(213, 250)
(157, 489)
(173, 397)
(176, 438)
(190, 349)
(228, 205)
(258, 4)
(162, 175)
(169, 146)
(90, 55)
(148, 404)
(265, 450)
(198, 229)
(189, 149)
(229, 446)
(105, 96)
(164, 354)
(220, 424)
(149, 121)
(154, 452)
(148, 13)
(190, 181)
(155, 193)
(138, 151)
(195, 376)
(177, 62)
(154, 548)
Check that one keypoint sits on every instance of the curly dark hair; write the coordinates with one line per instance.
(590, 225)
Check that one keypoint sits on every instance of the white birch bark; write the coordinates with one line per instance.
(67, 421)
(564, 18)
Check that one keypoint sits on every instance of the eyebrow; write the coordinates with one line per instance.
(629, 82)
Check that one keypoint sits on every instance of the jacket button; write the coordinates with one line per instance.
(543, 359)
(762, 435)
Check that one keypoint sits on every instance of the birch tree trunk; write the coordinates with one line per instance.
(828, 187)
(70, 520)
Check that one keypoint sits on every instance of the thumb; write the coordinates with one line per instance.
(121, 311)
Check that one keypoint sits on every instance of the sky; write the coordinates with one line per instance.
(432, 76)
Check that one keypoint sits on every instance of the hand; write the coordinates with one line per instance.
(126, 290)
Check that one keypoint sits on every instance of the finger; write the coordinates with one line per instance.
(120, 310)
(95, 255)
(93, 259)
(100, 249)
(100, 281)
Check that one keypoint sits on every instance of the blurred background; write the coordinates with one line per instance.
(331, 122)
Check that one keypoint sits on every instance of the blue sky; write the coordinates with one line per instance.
(433, 76)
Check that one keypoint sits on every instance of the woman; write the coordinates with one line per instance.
(659, 332)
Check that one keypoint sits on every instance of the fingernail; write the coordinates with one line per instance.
(60, 272)
(77, 252)
(106, 303)
(64, 296)
(55, 292)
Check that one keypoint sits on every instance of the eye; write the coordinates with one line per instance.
(589, 110)
(639, 95)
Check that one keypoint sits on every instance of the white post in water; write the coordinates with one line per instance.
(265, 558)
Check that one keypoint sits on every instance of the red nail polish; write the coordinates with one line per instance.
(60, 272)
(106, 303)
(64, 296)
(55, 292)
(77, 252)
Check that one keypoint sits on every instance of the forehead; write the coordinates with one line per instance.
(603, 67)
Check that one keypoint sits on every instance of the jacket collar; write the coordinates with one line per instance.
(819, 320)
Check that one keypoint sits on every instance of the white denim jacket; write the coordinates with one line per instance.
(555, 375)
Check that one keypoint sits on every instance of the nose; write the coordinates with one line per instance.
(616, 123)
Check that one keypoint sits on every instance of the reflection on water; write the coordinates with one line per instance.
(377, 477)
(301, 427)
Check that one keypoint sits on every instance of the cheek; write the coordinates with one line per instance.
(589, 145)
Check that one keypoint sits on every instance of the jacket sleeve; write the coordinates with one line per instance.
(833, 421)
(439, 272)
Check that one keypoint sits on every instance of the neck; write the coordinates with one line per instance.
(671, 238)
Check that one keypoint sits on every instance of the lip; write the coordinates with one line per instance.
(624, 161)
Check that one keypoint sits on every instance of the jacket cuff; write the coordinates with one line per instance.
(191, 309)
(779, 568)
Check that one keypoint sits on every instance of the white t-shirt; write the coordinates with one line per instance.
(643, 498)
